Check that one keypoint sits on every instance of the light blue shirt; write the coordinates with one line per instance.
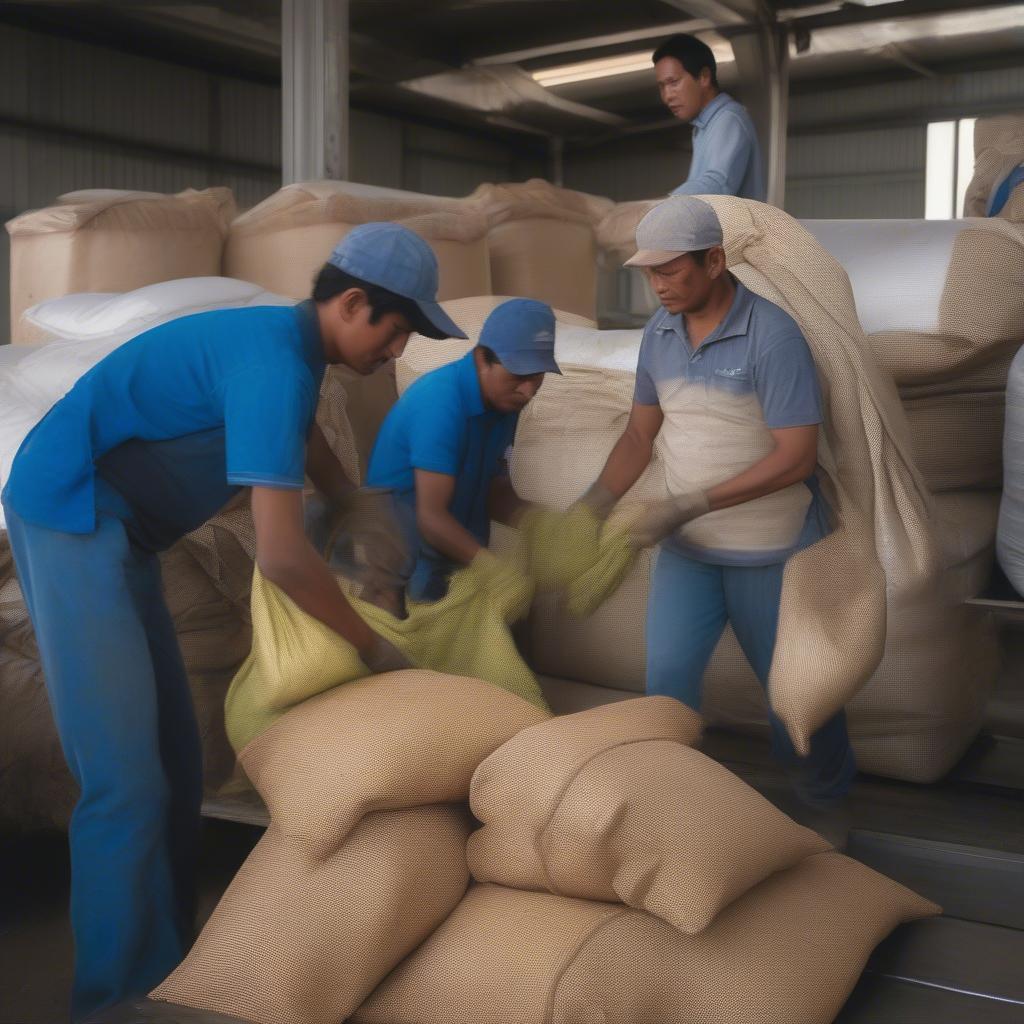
(757, 349)
(726, 155)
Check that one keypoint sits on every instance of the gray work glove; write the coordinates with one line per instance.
(598, 499)
(384, 656)
(661, 518)
(360, 537)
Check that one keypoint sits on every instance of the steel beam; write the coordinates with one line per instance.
(762, 60)
(314, 89)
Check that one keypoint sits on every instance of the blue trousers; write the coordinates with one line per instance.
(122, 706)
(689, 605)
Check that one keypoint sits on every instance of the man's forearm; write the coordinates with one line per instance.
(444, 533)
(625, 465)
(772, 473)
(310, 584)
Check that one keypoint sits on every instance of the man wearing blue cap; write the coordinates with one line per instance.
(147, 446)
(442, 450)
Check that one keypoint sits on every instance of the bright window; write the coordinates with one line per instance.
(949, 167)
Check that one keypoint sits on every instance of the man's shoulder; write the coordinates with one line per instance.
(771, 325)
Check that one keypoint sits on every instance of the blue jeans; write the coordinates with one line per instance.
(121, 702)
(689, 605)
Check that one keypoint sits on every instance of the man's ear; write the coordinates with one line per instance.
(351, 303)
(716, 261)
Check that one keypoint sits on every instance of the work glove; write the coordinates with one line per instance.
(384, 656)
(360, 537)
(661, 518)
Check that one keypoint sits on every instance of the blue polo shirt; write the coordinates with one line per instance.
(726, 154)
(441, 425)
(177, 419)
(753, 373)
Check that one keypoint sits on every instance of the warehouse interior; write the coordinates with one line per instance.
(866, 112)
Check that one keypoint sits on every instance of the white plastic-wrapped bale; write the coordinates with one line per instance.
(112, 241)
(1010, 536)
(542, 242)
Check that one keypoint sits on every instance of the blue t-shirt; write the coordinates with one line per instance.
(757, 352)
(726, 154)
(441, 425)
(220, 400)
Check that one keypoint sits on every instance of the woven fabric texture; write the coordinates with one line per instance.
(789, 950)
(282, 242)
(653, 824)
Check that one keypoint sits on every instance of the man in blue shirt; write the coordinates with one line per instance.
(442, 450)
(726, 155)
(728, 379)
(148, 445)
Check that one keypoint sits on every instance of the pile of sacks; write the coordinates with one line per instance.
(617, 874)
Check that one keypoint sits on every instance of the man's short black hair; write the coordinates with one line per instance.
(331, 281)
(490, 356)
(693, 54)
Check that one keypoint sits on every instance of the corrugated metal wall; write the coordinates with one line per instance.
(75, 116)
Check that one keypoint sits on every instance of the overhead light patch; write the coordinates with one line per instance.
(608, 67)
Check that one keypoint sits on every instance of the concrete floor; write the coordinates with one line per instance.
(35, 938)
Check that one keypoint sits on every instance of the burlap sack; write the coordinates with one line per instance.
(302, 938)
(282, 242)
(957, 440)
(110, 241)
(998, 149)
(653, 824)
(541, 242)
(790, 950)
(357, 866)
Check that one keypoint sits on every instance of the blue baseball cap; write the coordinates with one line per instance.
(521, 333)
(393, 257)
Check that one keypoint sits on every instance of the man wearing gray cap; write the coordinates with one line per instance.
(728, 380)
(442, 451)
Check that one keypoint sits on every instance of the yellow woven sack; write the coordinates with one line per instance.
(295, 656)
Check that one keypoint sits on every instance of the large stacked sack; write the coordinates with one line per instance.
(541, 240)
(942, 307)
(998, 154)
(281, 244)
(109, 241)
(918, 668)
(619, 874)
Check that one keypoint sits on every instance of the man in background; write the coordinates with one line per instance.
(726, 155)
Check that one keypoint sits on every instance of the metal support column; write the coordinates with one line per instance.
(314, 80)
(762, 58)
(556, 151)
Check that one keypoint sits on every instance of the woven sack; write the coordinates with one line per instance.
(789, 950)
(339, 891)
(541, 242)
(653, 824)
(110, 241)
(283, 242)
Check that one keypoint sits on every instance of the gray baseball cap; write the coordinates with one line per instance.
(679, 224)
